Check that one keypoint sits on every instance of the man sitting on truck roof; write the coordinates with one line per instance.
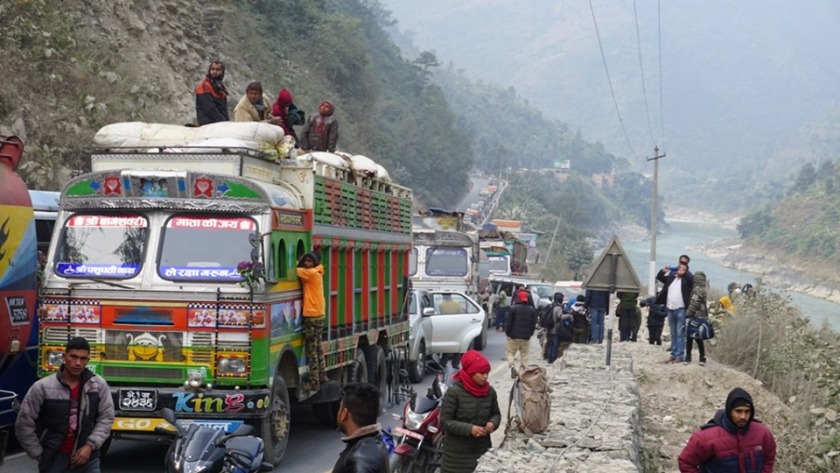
(254, 106)
(211, 96)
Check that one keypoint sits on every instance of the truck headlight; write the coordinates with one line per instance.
(231, 365)
(55, 358)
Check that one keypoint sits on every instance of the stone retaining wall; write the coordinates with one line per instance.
(595, 420)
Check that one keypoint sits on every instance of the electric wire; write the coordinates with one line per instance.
(661, 108)
(609, 80)
(642, 69)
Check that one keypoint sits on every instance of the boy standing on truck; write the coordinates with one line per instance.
(311, 274)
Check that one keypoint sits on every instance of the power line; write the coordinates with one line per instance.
(609, 80)
(642, 69)
(661, 108)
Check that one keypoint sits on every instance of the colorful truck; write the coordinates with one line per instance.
(178, 265)
(17, 275)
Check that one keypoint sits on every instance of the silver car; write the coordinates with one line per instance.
(442, 322)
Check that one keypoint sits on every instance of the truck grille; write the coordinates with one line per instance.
(168, 374)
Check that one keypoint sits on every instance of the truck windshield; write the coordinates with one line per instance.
(446, 262)
(102, 246)
(202, 248)
(499, 264)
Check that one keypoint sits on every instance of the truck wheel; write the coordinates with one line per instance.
(376, 371)
(357, 372)
(417, 368)
(274, 428)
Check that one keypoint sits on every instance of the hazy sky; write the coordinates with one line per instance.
(740, 79)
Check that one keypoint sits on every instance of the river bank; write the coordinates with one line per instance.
(732, 253)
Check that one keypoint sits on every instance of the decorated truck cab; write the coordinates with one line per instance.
(179, 267)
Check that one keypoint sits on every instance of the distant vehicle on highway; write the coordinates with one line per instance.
(442, 322)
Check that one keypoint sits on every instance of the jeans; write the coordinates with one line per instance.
(596, 333)
(655, 334)
(556, 348)
(61, 464)
(676, 322)
(501, 317)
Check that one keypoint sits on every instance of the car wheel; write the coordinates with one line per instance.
(417, 368)
(480, 341)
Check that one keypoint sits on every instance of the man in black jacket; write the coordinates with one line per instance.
(521, 323)
(365, 451)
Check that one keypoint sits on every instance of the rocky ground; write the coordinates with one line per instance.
(673, 401)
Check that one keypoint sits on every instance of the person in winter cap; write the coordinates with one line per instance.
(321, 131)
(732, 441)
(469, 414)
(311, 274)
(211, 96)
(288, 113)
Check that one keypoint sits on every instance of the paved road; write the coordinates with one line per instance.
(478, 183)
(312, 448)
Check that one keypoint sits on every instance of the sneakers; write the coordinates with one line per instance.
(702, 363)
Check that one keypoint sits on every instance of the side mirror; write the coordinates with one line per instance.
(428, 311)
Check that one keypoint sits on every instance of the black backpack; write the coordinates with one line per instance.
(547, 317)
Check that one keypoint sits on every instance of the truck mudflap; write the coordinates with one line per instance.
(137, 409)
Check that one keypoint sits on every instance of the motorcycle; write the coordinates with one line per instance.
(201, 449)
(417, 440)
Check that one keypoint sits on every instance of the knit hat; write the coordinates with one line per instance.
(284, 97)
(737, 398)
(523, 295)
(474, 362)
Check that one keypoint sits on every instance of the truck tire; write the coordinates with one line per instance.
(357, 372)
(417, 368)
(274, 428)
(377, 371)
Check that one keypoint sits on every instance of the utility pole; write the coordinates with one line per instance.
(653, 215)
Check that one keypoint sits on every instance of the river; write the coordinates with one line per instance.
(684, 235)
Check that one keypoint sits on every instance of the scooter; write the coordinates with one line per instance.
(202, 449)
(418, 439)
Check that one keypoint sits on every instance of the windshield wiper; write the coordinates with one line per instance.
(100, 281)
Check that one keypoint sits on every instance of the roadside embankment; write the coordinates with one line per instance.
(595, 418)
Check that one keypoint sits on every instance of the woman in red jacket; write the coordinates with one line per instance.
(732, 442)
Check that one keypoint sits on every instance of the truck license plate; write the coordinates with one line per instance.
(138, 399)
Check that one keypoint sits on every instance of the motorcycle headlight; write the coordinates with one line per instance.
(413, 420)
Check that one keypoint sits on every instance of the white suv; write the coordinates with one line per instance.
(442, 322)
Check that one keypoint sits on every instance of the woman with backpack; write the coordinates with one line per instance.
(470, 413)
(696, 308)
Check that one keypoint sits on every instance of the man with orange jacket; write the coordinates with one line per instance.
(311, 274)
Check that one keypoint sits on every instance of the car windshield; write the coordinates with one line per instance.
(102, 246)
(205, 247)
(544, 290)
(446, 262)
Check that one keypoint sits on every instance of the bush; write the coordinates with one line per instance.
(770, 339)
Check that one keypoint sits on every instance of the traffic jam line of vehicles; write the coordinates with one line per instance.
(178, 265)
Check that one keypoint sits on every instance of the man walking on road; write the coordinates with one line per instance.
(65, 418)
(357, 413)
(733, 441)
(521, 323)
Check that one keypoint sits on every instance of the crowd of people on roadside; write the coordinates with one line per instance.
(319, 133)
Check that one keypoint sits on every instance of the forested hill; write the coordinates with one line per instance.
(803, 227)
(67, 72)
